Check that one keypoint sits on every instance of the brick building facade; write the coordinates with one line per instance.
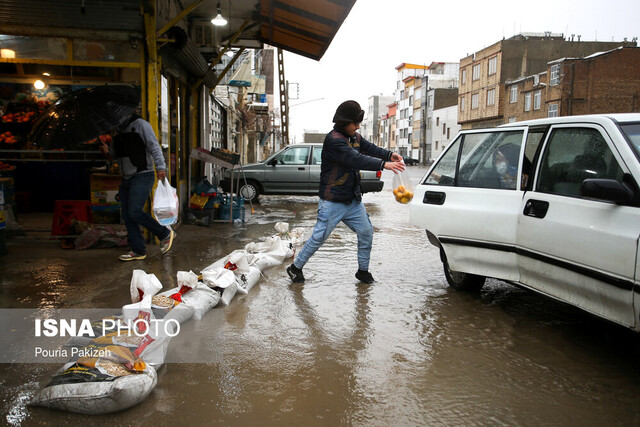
(606, 82)
(482, 96)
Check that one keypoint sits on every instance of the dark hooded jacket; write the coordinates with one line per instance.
(342, 158)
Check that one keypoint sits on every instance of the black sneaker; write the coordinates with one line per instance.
(364, 277)
(295, 273)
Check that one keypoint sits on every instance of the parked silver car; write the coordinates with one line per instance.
(294, 170)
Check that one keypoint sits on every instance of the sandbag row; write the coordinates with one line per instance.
(118, 369)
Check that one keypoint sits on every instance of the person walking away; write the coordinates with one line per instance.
(136, 149)
(344, 153)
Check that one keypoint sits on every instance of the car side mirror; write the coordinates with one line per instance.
(608, 190)
(273, 162)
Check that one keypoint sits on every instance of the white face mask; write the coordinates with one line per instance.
(501, 168)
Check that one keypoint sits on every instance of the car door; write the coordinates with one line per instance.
(314, 169)
(289, 171)
(469, 208)
(579, 250)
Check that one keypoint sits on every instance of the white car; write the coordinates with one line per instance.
(552, 205)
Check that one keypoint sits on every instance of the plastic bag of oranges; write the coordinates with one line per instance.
(402, 188)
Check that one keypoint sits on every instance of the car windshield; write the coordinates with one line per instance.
(632, 130)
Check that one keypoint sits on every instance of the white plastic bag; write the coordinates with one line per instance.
(166, 205)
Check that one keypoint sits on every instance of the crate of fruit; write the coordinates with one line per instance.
(226, 155)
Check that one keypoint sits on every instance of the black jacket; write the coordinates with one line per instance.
(342, 159)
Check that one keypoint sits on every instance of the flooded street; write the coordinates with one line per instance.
(406, 350)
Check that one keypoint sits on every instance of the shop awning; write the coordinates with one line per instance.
(305, 27)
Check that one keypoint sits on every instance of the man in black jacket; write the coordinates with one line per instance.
(344, 153)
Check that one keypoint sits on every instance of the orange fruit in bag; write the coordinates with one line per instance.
(402, 194)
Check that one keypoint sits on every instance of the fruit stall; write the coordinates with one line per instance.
(40, 175)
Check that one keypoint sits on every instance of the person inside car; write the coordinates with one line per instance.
(505, 163)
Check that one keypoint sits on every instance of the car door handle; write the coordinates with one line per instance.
(536, 208)
(301, 169)
(434, 197)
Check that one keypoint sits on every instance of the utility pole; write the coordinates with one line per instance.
(284, 99)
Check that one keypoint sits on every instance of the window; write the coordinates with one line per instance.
(573, 155)
(444, 128)
(437, 121)
(493, 65)
(462, 103)
(513, 94)
(527, 101)
(410, 99)
(476, 72)
(553, 110)
(316, 157)
(537, 95)
(294, 156)
(512, 119)
(464, 76)
(475, 101)
(478, 154)
(536, 80)
(481, 152)
(554, 78)
(491, 97)
(409, 141)
(448, 133)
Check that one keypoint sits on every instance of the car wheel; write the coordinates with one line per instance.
(462, 281)
(249, 191)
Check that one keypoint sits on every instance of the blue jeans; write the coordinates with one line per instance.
(134, 193)
(330, 214)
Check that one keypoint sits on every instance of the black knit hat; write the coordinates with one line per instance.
(348, 112)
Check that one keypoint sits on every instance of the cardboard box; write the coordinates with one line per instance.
(104, 188)
(105, 214)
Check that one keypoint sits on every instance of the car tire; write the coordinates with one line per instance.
(250, 191)
(462, 281)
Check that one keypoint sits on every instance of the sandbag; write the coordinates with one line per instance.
(248, 280)
(143, 284)
(200, 298)
(99, 385)
(218, 277)
(228, 293)
(237, 261)
(98, 328)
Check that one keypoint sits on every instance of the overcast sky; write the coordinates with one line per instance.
(379, 35)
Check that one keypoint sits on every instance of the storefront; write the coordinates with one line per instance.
(171, 76)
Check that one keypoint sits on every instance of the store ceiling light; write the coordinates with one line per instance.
(219, 20)
(39, 84)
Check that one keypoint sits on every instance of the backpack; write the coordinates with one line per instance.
(131, 145)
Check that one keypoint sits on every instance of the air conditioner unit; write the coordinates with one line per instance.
(204, 34)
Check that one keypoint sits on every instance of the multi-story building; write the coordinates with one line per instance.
(404, 96)
(482, 96)
(444, 129)
(605, 82)
(371, 124)
(441, 117)
(391, 140)
(413, 83)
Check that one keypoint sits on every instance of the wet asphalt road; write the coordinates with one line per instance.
(406, 350)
